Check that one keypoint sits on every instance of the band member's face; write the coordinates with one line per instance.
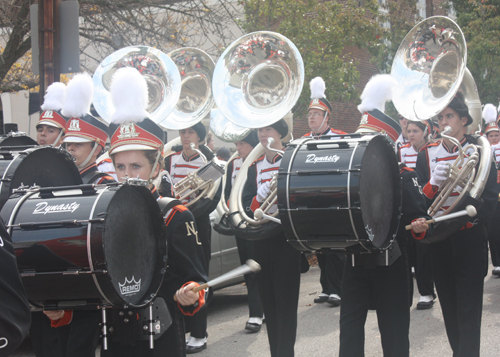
(415, 134)
(315, 120)
(210, 144)
(493, 137)
(80, 151)
(243, 148)
(189, 136)
(269, 132)
(133, 164)
(46, 135)
(403, 122)
(449, 117)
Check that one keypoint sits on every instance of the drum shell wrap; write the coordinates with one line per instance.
(115, 255)
(327, 200)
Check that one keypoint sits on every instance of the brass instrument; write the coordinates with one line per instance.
(430, 66)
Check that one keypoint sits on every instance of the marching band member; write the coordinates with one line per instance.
(85, 135)
(85, 139)
(279, 279)
(418, 136)
(331, 264)
(246, 248)
(403, 137)
(136, 151)
(492, 133)
(14, 307)
(52, 124)
(178, 165)
(368, 284)
(459, 263)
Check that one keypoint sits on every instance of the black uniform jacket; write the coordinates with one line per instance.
(92, 175)
(15, 316)
(186, 260)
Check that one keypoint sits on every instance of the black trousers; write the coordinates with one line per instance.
(387, 290)
(332, 269)
(459, 265)
(494, 237)
(246, 251)
(43, 336)
(197, 324)
(423, 269)
(279, 284)
(171, 344)
(80, 337)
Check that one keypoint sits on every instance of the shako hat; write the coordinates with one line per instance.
(130, 127)
(82, 127)
(489, 116)
(318, 99)
(52, 104)
(376, 93)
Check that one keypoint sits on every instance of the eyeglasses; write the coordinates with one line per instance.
(313, 115)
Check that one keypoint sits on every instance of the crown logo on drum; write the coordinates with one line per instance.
(127, 131)
(130, 286)
(364, 119)
(74, 125)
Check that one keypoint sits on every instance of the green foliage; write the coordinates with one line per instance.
(324, 32)
(402, 17)
(480, 22)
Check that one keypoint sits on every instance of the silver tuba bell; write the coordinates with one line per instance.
(430, 66)
(257, 81)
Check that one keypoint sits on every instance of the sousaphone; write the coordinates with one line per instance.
(430, 66)
(257, 81)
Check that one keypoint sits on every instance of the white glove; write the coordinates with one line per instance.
(440, 174)
(263, 191)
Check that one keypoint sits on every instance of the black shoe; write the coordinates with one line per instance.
(193, 349)
(252, 327)
(334, 301)
(424, 305)
(321, 299)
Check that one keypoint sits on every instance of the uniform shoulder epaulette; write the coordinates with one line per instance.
(436, 143)
(336, 131)
(181, 208)
(405, 146)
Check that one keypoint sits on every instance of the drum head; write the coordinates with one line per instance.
(380, 192)
(134, 244)
(45, 167)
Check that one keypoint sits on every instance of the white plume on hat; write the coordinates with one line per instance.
(54, 96)
(489, 113)
(377, 92)
(129, 93)
(79, 95)
(318, 88)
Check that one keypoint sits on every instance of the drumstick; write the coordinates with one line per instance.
(469, 210)
(250, 266)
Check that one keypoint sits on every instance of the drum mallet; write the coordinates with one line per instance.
(469, 210)
(250, 266)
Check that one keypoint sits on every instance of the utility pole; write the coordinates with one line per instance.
(48, 38)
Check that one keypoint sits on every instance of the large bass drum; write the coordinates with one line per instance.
(16, 141)
(80, 247)
(340, 192)
(43, 166)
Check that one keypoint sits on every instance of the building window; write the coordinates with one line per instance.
(421, 11)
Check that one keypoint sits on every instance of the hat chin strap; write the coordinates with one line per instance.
(84, 164)
(322, 123)
(57, 139)
(154, 166)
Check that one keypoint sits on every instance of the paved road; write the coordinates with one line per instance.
(318, 328)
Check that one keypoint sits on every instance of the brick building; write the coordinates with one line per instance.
(346, 116)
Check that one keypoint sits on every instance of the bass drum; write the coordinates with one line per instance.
(16, 141)
(86, 247)
(338, 193)
(43, 166)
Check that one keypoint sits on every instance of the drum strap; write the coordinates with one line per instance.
(167, 203)
(91, 176)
